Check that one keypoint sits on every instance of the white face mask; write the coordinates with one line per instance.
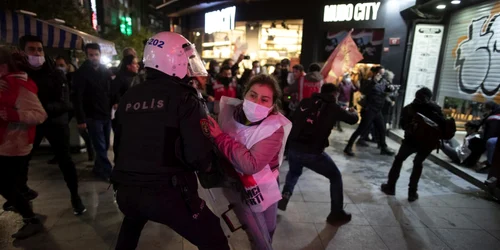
(255, 112)
(36, 61)
(217, 69)
(347, 80)
(257, 70)
(63, 69)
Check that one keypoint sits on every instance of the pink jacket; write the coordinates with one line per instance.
(253, 160)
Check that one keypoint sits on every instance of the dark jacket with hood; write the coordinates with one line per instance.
(53, 92)
(428, 109)
(93, 97)
(492, 124)
(375, 95)
(329, 114)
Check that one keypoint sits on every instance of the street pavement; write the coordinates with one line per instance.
(450, 214)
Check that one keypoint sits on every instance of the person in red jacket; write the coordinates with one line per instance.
(20, 112)
(226, 85)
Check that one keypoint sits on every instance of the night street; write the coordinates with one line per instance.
(450, 214)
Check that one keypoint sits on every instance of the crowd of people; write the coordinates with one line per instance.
(175, 123)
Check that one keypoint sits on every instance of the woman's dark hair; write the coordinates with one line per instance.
(126, 61)
(268, 81)
(6, 58)
(226, 62)
(376, 69)
(212, 64)
(298, 67)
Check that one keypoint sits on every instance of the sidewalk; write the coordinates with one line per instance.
(450, 214)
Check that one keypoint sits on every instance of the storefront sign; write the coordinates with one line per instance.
(394, 41)
(424, 59)
(220, 20)
(94, 14)
(348, 12)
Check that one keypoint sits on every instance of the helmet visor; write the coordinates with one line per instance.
(196, 66)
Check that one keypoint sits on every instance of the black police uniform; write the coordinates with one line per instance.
(161, 143)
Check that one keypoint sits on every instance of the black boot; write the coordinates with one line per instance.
(386, 151)
(348, 151)
(283, 203)
(362, 143)
(338, 218)
(412, 195)
(388, 189)
(31, 227)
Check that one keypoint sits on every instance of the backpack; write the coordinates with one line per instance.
(310, 120)
(425, 131)
(450, 128)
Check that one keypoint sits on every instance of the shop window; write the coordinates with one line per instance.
(462, 110)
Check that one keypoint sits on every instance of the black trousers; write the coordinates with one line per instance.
(11, 169)
(404, 152)
(193, 220)
(58, 137)
(368, 118)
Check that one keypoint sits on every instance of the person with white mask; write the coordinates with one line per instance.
(53, 92)
(252, 136)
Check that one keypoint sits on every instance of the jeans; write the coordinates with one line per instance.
(259, 227)
(490, 148)
(168, 206)
(321, 164)
(449, 148)
(58, 137)
(12, 168)
(368, 118)
(404, 152)
(99, 131)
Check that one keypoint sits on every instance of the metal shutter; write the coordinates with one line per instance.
(471, 63)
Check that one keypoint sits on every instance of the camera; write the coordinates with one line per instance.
(246, 57)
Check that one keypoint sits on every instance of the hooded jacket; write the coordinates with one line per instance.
(20, 112)
(428, 109)
(307, 85)
(492, 124)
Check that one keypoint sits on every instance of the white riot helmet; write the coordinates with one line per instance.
(173, 55)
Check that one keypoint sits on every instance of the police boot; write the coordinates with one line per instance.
(348, 151)
(31, 227)
(283, 203)
(386, 151)
(412, 195)
(388, 189)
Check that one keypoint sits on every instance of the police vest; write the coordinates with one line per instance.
(149, 134)
(307, 88)
(221, 90)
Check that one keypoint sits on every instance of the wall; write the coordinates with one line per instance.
(315, 29)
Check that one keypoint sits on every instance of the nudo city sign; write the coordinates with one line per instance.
(220, 20)
(348, 12)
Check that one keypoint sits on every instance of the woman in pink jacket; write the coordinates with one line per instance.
(251, 136)
(20, 112)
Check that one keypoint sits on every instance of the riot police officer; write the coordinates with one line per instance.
(161, 143)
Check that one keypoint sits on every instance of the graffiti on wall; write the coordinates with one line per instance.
(477, 56)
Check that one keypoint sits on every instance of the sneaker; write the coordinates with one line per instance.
(282, 204)
(387, 189)
(78, 207)
(362, 143)
(386, 151)
(412, 196)
(31, 227)
(348, 152)
(339, 218)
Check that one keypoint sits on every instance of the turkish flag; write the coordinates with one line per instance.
(342, 59)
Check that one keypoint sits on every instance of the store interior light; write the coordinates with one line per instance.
(455, 2)
(441, 7)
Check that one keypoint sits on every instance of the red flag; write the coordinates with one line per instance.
(342, 59)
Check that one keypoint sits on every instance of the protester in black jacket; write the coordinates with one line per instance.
(375, 96)
(93, 101)
(423, 105)
(312, 124)
(53, 93)
(468, 153)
